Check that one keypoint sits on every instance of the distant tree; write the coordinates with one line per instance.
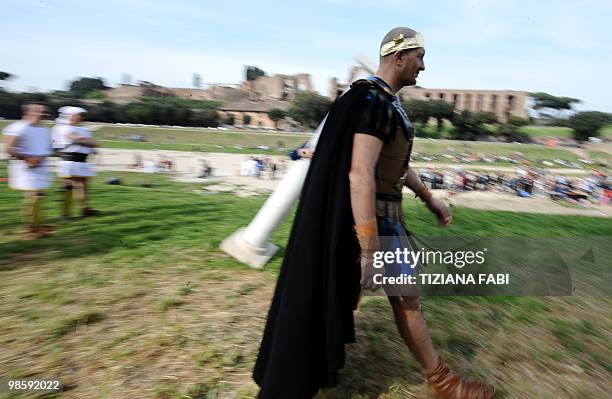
(95, 95)
(471, 125)
(10, 103)
(510, 131)
(205, 118)
(588, 124)
(485, 118)
(309, 108)
(229, 120)
(5, 75)
(421, 111)
(106, 112)
(545, 101)
(252, 72)
(139, 113)
(246, 119)
(83, 86)
(441, 110)
(276, 115)
(418, 111)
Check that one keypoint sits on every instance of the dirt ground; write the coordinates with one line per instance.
(500, 201)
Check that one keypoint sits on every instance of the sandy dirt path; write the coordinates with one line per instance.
(227, 166)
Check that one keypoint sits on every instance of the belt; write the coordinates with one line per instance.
(389, 209)
(74, 156)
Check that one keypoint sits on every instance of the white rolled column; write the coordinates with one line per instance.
(251, 245)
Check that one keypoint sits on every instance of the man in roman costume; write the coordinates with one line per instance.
(351, 197)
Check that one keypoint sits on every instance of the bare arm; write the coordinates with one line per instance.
(414, 182)
(436, 206)
(86, 141)
(10, 146)
(366, 149)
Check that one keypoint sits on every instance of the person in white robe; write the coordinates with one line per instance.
(28, 144)
(74, 144)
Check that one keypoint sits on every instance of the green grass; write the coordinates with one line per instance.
(144, 292)
(606, 156)
(141, 302)
(536, 131)
(607, 132)
(201, 136)
(534, 153)
(188, 147)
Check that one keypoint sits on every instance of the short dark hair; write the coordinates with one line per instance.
(26, 107)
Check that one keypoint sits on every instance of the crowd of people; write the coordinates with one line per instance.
(595, 187)
(260, 166)
(30, 144)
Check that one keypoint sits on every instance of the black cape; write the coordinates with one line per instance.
(311, 316)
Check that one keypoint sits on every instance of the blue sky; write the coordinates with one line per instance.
(562, 47)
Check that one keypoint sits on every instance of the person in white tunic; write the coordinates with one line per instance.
(28, 144)
(74, 144)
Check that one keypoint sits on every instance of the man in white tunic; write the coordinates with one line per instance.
(74, 143)
(28, 144)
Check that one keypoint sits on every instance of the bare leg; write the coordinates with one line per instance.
(413, 329)
(85, 192)
(445, 383)
(31, 209)
(33, 214)
(79, 190)
(66, 197)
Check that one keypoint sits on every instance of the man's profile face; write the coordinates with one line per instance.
(413, 63)
(76, 118)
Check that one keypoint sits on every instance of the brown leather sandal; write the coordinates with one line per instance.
(448, 385)
(35, 233)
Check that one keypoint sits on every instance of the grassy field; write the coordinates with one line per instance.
(229, 149)
(204, 137)
(606, 156)
(141, 303)
(535, 131)
(246, 142)
(532, 152)
(607, 132)
(547, 131)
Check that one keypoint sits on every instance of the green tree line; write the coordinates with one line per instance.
(307, 109)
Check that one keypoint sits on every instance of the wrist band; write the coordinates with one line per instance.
(367, 234)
